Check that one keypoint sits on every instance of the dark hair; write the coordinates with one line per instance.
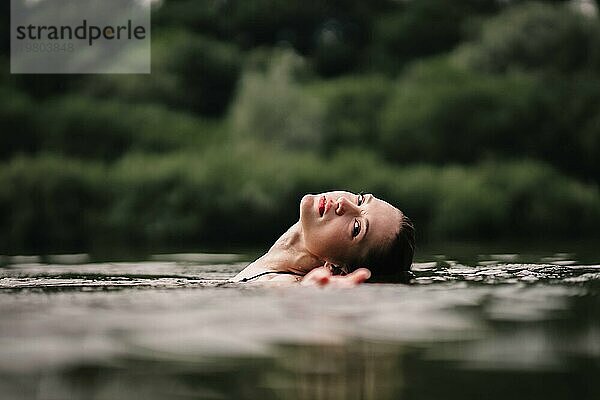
(392, 262)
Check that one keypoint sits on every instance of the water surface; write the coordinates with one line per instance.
(498, 326)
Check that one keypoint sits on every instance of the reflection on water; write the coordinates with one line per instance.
(500, 326)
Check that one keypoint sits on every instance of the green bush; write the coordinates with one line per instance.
(92, 129)
(338, 49)
(542, 202)
(207, 70)
(441, 113)
(205, 17)
(51, 204)
(539, 37)
(224, 196)
(271, 107)
(490, 201)
(189, 72)
(18, 123)
(352, 108)
(422, 28)
(230, 196)
(563, 125)
(251, 196)
(332, 34)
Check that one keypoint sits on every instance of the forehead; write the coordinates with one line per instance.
(384, 222)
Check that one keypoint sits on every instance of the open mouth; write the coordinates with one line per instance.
(321, 206)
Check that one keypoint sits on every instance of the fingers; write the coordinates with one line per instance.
(317, 277)
(351, 280)
(359, 276)
(322, 277)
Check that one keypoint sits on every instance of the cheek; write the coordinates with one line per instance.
(327, 241)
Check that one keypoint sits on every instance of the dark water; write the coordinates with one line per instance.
(504, 326)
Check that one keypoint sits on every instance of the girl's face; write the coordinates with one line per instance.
(342, 226)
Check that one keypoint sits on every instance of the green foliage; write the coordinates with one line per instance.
(422, 28)
(396, 32)
(442, 113)
(563, 125)
(333, 34)
(271, 107)
(19, 131)
(352, 107)
(5, 28)
(98, 129)
(540, 200)
(513, 200)
(205, 16)
(92, 129)
(336, 50)
(250, 195)
(214, 197)
(537, 36)
(252, 104)
(207, 70)
(50, 203)
(189, 71)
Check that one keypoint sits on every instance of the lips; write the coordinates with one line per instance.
(321, 206)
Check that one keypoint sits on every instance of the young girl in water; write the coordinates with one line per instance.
(337, 233)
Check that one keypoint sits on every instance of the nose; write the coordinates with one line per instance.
(344, 206)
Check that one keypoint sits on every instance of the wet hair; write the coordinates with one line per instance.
(392, 261)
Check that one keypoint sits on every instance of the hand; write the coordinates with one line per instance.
(323, 276)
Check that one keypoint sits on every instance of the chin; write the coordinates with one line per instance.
(307, 205)
(308, 213)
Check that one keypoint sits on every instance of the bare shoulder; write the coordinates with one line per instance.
(251, 275)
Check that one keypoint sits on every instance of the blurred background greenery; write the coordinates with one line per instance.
(479, 118)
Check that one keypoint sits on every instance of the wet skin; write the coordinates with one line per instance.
(342, 226)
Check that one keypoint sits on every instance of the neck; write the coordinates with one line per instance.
(288, 254)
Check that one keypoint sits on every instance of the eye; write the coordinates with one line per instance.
(356, 228)
(360, 199)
